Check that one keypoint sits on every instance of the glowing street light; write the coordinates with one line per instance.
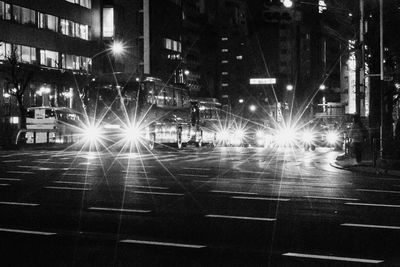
(117, 48)
(241, 100)
(187, 72)
(289, 87)
(322, 87)
(252, 108)
(287, 3)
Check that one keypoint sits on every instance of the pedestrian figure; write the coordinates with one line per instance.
(357, 136)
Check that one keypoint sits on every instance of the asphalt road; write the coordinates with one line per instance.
(195, 207)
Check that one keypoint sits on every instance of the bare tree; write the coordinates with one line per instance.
(19, 78)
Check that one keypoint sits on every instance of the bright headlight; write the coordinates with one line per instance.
(92, 133)
(286, 136)
(308, 137)
(133, 133)
(332, 137)
(260, 134)
(223, 135)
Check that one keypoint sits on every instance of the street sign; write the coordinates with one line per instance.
(262, 80)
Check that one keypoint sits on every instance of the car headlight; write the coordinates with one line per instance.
(308, 137)
(92, 134)
(286, 136)
(332, 138)
(223, 135)
(133, 133)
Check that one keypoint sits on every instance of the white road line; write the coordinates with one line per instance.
(372, 205)
(240, 217)
(193, 175)
(119, 210)
(333, 198)
(67, 182)
(255, 172)
(128, 178)
(157, 243)
(27, 166)
(9, 161)
(333, 258)
(4, 184)
(19, 231)
(78, 174)
(148, 187)
(158, 193)
(263, 198)
(19, 204)
(67, 188)
(371, 226)
(197, 169)
(232, 192)
(378, 191)
(20, 172)
(10, 179)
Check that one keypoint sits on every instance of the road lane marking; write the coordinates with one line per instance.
(19, 203)
(372, 205)
(193, 175)
(148, 187)
(232, 192)
(371, 226)
(20, 172)
(9, 161)
(378, 191)
(262, 198)
(4, 184)
(10, 179)
(240, 217)
(67, 188)
(333, 198)
(333, 258)
(119, 210)
(68, 182)
(157, 243)
(19, 231)
(197, 169)
(158, 193)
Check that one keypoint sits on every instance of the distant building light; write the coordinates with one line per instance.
(241, 101)
(239, 57)
(6, 95)
(14, 120)
(321, 6)
(287, 3)
(322, 87)
(224, 73)
(224, 50)
(225, 84)
(187, 72)
(224, 61)
(224, 39)
(289, 87)
(350, 14)
(225, 96)
(252, 108)
(263, 81)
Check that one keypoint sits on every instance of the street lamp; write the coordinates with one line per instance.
(289, 87)
(287, 3)
(322, 87)
(252, 108)
(241, 100)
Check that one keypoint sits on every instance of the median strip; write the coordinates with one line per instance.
(19, 231)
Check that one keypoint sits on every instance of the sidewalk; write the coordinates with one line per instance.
(386, 167)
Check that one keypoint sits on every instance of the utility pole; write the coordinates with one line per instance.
(382, 75)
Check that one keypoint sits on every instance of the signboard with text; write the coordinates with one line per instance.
(262, 80)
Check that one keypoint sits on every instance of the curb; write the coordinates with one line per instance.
(377, 171)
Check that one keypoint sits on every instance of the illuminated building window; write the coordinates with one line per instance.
(108, 22)
(5, 50)
(224, 50)
(239, 57)
(172, 45)
(49, 58)
(225, 84)
(48, 22)
(84, 3)
(224, 61)
(224, 39)
(23, 15)
(224, 73)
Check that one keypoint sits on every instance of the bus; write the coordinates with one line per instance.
(154, 113)
(51, 125)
